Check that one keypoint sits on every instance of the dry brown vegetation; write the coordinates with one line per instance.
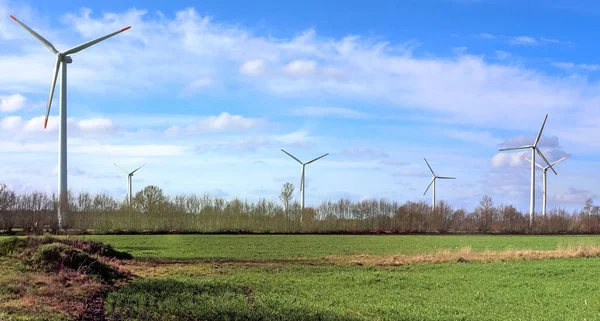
(465, 255)
(51, 276)
(66, 292)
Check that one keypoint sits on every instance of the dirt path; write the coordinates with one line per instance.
(94, 309)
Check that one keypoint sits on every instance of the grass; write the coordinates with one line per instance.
(527, 290)
(193, 247)
(315, 277)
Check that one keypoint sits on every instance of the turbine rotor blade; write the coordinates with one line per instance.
(545, 160)
(292, 156)
(428, 186)
(121, 168)
(316, 159)
(37, 36)
(52, 86)
(135, 170)
(529, 160)
(445, 177)
(516, 148)
(560, 160)
(540, 133)
(92, 42)
(429, 166)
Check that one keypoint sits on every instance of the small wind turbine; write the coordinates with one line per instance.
(302, 187)
(62, 59)
(433, 182)
(534, 149)
(544, 183)
(129, 176)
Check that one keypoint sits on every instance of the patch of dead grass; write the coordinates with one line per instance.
(466, 255)
(50, 294)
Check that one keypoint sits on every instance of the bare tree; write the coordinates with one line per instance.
(151, 199)
(7, 202)
(286, 195)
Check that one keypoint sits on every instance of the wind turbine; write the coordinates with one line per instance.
(129, 176)
(302, 187)
(434, 177)
(544, 183)
(62, 59)
(533, 150)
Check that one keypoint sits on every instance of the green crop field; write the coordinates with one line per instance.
(315, 246)
(260, 277)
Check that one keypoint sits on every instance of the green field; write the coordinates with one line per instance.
(247, 277)
(190, 247)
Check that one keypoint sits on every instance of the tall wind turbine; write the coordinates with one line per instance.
(434, 177)
(534, 149)
(302, 184)
(129, 176)
(544, 182)
(62, 59)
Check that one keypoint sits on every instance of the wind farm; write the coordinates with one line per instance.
(199, 100)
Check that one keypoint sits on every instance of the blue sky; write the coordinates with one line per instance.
(206, 93)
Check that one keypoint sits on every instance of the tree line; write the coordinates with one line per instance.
(153, 211)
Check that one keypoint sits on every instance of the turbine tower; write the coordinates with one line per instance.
(433, 182)
(534, 149)
(302, 187)
(62, 59)
(544, 182)
(129, 176)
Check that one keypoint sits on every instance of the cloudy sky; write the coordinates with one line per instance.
(206, 93)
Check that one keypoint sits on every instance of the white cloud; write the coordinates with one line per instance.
(328, 111)
(12, 103)
(300, 68)
(94, 126)
(253, 67)
(10, 123)
(523, 40)
(197, 84)
(222, 123)
(572, 66)
(484, 35)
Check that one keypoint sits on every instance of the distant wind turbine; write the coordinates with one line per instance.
(434, 177)
(534, 149)
(129, 176)
(544, 183)
(302, 184)
(62, 59)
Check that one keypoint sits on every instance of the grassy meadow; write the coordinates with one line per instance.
(322, 277)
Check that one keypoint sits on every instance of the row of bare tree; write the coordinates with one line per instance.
(153, 211)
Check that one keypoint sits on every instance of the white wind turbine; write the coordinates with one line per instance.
(62, 59)
(129, 176)
(433, 182)
(534, 149)
(302, 187)
(544, 182)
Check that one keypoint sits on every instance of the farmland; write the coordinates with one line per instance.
(322, 277)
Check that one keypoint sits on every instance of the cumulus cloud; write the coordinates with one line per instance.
(12, 103)
(253, 67)
(94, 126)
(222, 123)
(300, 68)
